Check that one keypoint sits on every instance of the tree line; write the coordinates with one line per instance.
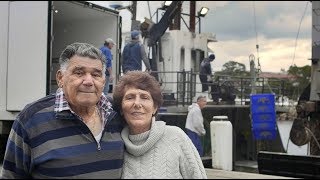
(293, 87)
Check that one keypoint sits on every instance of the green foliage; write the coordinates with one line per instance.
(233, 68)
(303, 75)
(291, 88)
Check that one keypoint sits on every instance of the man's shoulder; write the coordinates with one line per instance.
(104, 49)
(37, 106)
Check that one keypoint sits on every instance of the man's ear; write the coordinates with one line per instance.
(59, 76)
(105, 80)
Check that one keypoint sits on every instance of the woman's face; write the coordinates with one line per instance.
(137, 108)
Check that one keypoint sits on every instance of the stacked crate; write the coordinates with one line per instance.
(263, 115)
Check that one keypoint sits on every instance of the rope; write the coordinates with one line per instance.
(314, 137)
(295, 45)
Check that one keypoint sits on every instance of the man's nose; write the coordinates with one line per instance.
(88, 79)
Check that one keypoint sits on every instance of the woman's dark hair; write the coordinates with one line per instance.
(137, 79)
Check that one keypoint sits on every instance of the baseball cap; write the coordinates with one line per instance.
(135, 34)
(212, 56)
(110, 41)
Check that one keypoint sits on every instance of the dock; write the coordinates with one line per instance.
(222, 174)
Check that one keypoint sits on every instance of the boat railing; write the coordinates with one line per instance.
(181, 87)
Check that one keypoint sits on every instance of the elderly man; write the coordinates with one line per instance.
(194, 123)
(106, 50)
(73, 133)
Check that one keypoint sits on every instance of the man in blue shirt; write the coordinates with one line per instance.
(106, 50)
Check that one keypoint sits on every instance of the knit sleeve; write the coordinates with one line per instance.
(191, 166)
(17, 159)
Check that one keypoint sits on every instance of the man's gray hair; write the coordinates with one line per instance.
(200, 97)
(83, 50)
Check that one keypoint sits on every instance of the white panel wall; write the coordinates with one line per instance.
(4, 14)
(4, 6)
(27, 53)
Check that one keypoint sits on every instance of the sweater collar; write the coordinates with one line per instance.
(139, 144)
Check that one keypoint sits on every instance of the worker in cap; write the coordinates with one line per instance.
(110, 42)
(133, 54)
(106, 50)
(135, 34)
(206, 72)
(212, 57)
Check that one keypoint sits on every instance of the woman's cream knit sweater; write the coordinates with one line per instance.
(163, 152)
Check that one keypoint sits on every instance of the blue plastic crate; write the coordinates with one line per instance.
(262, 109)
(262, 99)
(263, 117)
(264, 126)
(265, 135)
(262, 103)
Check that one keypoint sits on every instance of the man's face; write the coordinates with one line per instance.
(82, 82)
(202, 103)
(110, 45)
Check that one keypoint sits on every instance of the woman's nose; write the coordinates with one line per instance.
(137, 103)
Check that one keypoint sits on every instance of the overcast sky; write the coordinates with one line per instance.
(239, 26)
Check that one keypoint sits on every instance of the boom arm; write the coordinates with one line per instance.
(155, 31)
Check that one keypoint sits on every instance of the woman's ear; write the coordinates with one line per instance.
(154, 111)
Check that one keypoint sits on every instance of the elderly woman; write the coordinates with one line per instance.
(153, 149)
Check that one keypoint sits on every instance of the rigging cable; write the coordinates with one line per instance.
(149, 10)
(257, 46)
(295, 46)
(255, 29)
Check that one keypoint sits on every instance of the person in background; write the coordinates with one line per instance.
(106, 50)
(194, 123)
(74, 133)
(154, 150)
(206, 72)
(133, 54)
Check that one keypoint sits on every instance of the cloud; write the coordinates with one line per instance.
(275, 23)
(274, 54)
(237, 20)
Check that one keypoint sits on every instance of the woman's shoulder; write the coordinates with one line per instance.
(173, 132)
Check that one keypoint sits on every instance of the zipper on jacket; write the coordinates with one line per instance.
(111, 115)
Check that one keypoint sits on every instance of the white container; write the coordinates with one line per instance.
(221, 143)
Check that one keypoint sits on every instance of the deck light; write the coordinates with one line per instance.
(167, 3)
(203, 11)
